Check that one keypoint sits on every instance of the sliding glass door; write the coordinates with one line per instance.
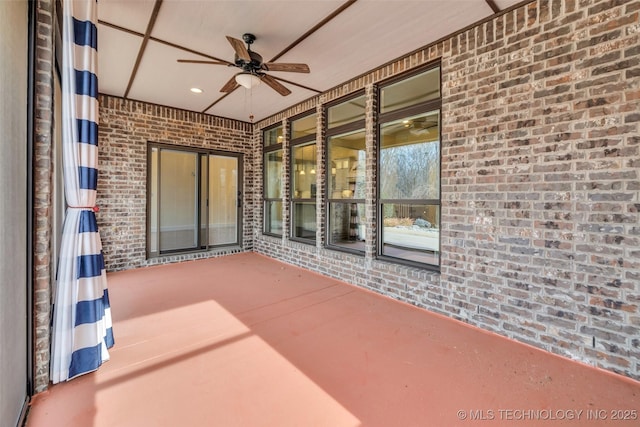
(224, 200)
(178, 198)
(193, 201)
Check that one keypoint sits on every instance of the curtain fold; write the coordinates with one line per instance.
(81, 327)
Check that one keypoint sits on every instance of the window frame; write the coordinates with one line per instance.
(353, 126)
(303, 141)
(383, 118)
(267, 200)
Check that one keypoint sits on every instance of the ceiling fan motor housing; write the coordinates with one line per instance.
(250, 66)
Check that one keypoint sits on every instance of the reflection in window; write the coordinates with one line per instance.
(178, 222)
(223, 203)
(273, 136)
(347, 166)
(304, 177)
(347, 225)
(346, 182)
(304, 171)
(273, 217)
(272, 181)
(410, 158)
(346, 112)
(304, 220)
(305, 126)
(410, 91)
(272, 190)
(273, 174)
(409, 169)
(411, 232)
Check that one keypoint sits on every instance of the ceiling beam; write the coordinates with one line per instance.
(297, 84)
(216, 101)
(164, 42)
(315, 28)
(143, 46)
(119, 28)
(492, 4)
(186, 49)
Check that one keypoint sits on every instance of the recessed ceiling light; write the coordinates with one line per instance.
(196, 90)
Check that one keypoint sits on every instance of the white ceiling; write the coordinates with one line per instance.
(338, 46)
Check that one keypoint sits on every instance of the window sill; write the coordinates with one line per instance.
(418, 265)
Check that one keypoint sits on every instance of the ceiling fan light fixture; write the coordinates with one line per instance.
(247, 80)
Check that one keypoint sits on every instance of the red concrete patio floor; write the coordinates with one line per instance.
(248, 341)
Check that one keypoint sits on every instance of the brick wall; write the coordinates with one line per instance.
(125, 129)
(43, 188)
(540, 182)
(540, 178)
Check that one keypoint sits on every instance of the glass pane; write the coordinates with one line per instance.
(273, 174)
(223, 197)
(204, 197)
(347, 225)
(273, 217)
(346, 112)
(304, 220)
(303, 171)
(154, 214)
(347, 161)
(178, 200)
(410, 158)
(304, 126)
(411, 91)
(411, 232)
(273, 136)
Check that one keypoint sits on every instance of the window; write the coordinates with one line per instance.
(194, 199)
(409, 169)
(345, 169)
(273, 136)
(303, 178)
(272, 190)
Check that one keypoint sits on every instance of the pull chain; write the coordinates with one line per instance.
(251, 105)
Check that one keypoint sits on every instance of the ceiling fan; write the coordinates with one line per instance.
(252, 66)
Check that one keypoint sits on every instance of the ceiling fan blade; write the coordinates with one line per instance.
(230, 85)
(196, 61)
(281, 66)
(275, 85)
(239, 47)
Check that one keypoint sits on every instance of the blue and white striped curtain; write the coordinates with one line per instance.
(82, 330)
